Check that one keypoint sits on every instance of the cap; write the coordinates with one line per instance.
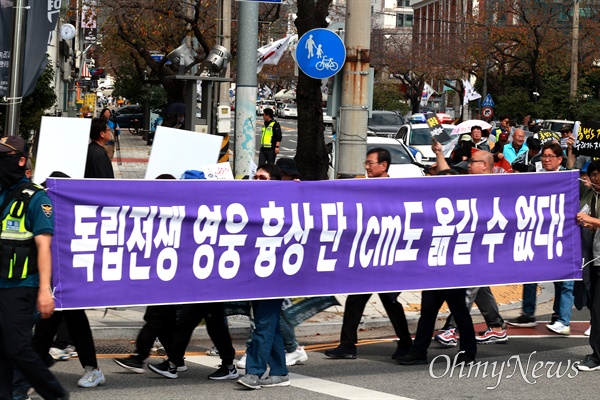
(503, 136)
(466, 138)
(585, 167)
(288, 166)
(566, 127)
(12, 143)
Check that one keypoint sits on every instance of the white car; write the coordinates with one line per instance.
(262, 104)
(404, 164)
(327, 119)
(418, 137)
(289, 111)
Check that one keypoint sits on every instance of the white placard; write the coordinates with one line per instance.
(220, 171)
(175, 151)
(62, 147)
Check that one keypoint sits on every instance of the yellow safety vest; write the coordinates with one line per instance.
(267, 135)
(18, 252)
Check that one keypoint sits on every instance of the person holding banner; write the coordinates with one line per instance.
(266, 347)
(377, 165)
(552, 159)
(589, 220)
(26, 283)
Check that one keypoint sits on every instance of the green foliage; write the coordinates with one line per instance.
(389, 97)
(555, 103)
(35, 105)
(130, 86)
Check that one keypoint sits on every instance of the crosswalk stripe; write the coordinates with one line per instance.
(322, 386)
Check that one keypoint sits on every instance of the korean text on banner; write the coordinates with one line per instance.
(120, 243)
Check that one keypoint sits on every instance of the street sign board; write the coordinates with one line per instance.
(320, 53)
(488, 102)
(487, 112)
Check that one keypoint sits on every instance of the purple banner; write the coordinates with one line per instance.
(121, 243)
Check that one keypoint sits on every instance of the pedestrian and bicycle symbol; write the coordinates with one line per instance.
(320, 53)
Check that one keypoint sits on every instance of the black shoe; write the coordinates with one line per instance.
(401, 351)
(462, 357)
(523, 321)
(412, 359)
(341, 353)
(131, 363)
(224, 373)
(165, 368)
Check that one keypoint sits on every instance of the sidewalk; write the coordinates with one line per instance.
(124, 323)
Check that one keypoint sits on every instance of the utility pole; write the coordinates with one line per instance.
(354, 109)
(245, 99)
(17, 55)
(575, 49)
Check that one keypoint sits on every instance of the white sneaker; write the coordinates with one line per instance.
(296, 356)
(559, 328)
(58, 354)
(71, 351)
(242, 363)
(588, 331)
(91, 378)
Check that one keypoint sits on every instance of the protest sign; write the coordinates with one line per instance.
(140, 242)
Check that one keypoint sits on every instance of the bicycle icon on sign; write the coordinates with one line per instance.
(327, 63)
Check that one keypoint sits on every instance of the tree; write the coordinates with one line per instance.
(35, 105)
(311, 153)
(135, 30)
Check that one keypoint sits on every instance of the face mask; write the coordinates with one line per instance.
(180, 119)
(10, 170)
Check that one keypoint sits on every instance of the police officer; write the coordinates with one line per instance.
(25, 271)
(270, 138)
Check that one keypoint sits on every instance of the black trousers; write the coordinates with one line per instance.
(266, 156)
(79, 330)
(355, 305)
(16, 321)
(160, 322)
(431, 301)
(216, 327)
(595, 311)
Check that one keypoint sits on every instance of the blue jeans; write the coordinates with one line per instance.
(288, 332)
(266, 346)
(563, 301)
(289, 335)
(529, 298)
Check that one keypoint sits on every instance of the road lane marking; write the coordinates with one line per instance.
(322, 386)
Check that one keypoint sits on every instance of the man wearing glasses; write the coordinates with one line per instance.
(552, 157)
(376, 164)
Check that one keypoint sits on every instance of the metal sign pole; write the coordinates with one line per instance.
(15, 86)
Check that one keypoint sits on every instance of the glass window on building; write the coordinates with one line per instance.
(402, 3)
(404, 20)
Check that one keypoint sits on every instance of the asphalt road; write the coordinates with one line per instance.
(525, 368)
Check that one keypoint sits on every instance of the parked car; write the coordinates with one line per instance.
(418, 137)
(262, 104)
(290, 111)
(124, 115)
(555, 124)
(278, 111)
(384, 123)
(327, 119)
(404, 164)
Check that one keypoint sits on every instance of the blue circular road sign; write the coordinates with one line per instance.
(320, 53)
